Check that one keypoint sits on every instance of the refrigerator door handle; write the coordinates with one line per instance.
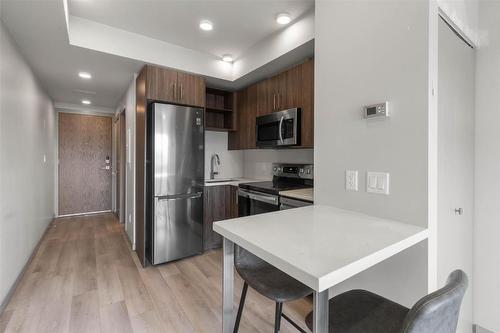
(179, 196)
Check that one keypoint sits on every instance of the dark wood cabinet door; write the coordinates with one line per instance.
(305, 101)
(264, 98)
(220, 203)
(190, 90)
(250, 115)
(235, 139)
(161, 84)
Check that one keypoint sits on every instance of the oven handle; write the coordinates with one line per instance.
(280, 129)
(270, 199)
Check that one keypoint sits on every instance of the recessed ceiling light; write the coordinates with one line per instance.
(86, 102)
(85, 75)
(206, 25)
(227, 58)
(283, 18)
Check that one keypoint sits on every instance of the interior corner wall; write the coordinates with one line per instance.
(487, 165)
(369, 52)
(27, 163)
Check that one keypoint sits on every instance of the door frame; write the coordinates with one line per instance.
(63, 108)
(119, 149)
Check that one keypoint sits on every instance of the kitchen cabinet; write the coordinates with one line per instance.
(168, 85)
(293, 88)
(220, 203)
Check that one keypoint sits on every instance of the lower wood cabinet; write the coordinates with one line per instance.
(220, 203)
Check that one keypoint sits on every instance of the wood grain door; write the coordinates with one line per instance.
(161, 84)
(191, 90)
(84, 149)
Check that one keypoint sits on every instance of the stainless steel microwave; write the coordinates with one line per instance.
(278, 129)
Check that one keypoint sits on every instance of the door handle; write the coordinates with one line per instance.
(459, 211)
(280, 129)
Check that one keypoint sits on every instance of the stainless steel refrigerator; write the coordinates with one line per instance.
(174, 182)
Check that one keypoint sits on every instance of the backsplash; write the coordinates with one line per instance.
(257, 163)
(254, 163)
(231, 161)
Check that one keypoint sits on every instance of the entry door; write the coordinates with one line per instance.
(456, 92)
(84, 164)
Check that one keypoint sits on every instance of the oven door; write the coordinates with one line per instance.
(278, 129)
(253, 203)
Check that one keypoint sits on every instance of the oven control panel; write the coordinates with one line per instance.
(305, 171)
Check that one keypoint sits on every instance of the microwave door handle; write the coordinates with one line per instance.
(280, 129)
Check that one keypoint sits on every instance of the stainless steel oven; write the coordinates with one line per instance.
(253, 203)
(278, 129)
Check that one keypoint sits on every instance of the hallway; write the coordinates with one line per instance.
(84, 278)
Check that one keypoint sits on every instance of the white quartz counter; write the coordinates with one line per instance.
(306, 194)
(233, 181)
(320, 246)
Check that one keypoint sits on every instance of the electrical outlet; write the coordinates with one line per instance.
(351, 180)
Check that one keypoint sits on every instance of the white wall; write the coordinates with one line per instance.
(231, 161)
(27, 161)
(128, 103)
(384, 56)
(487, 183)
(258, 162)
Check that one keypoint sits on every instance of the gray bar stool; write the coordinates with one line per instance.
(359, 311)
(268, 281)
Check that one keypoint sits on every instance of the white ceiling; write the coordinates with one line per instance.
(238, 24)
(40, 32)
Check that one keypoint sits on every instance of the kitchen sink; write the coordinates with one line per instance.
(224, 180)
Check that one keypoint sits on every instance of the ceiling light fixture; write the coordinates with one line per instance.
(86, 102)
(227, 58)
(85, 75)
(206, 25)
(283, 18)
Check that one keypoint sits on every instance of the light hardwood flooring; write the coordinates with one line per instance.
(85, 278)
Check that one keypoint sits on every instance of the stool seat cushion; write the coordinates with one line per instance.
(267, 279)
(360, 311)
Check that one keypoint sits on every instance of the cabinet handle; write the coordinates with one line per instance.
(173, 90)
(274, 102)
(181, 91)
(279, 104)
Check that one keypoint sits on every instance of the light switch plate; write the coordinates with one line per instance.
(351, 180)
(377, 182)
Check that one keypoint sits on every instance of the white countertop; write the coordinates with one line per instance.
(321, 246)
(306, 194)
(234, 181)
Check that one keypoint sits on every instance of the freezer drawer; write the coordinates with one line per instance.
(177, 227)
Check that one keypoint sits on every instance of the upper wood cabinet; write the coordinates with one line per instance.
(168, 85)
(293, 88)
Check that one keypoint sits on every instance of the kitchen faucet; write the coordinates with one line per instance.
(215, 159)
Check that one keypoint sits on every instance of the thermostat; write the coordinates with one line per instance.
(380, 110)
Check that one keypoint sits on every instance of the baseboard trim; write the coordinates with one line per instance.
(87, 213)
(478, 329)
(14, 286)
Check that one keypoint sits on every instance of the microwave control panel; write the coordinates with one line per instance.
(380, 110)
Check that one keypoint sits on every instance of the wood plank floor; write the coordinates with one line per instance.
(84, 278)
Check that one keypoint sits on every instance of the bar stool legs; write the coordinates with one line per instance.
(240, 307)
(277, 315)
